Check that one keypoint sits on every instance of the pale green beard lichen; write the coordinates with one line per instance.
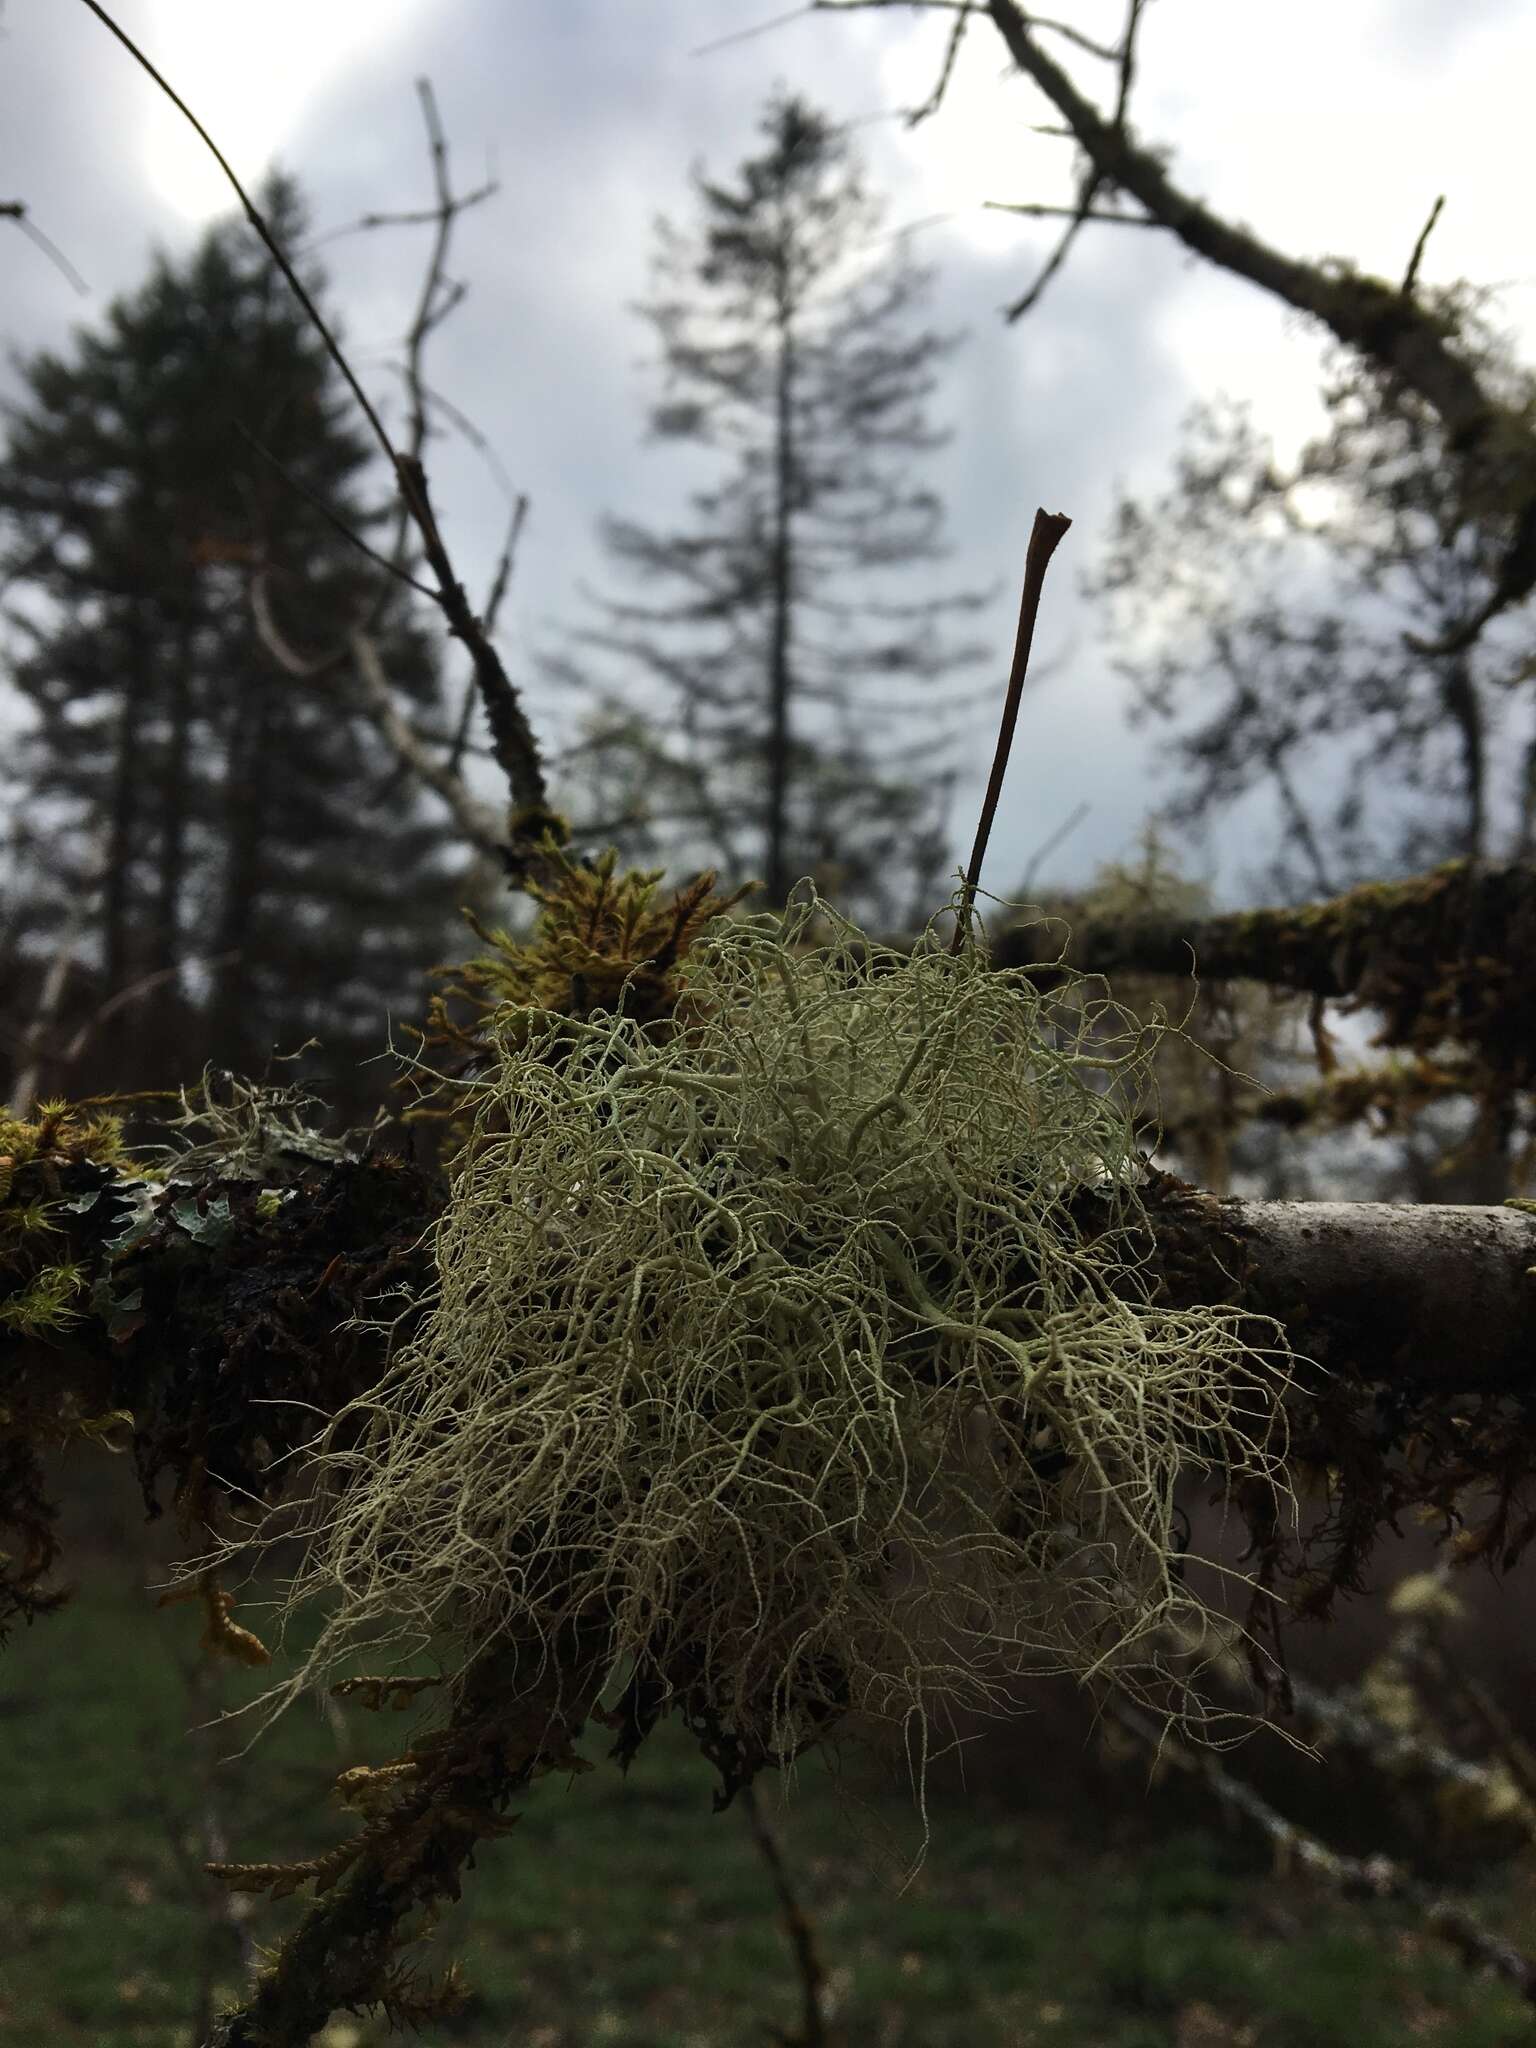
(776, 1348)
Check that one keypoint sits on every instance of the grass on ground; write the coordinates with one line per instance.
(623, 1912)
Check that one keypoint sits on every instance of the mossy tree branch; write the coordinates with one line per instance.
(345, 1952)
(1440, 1293)
(1443, 956)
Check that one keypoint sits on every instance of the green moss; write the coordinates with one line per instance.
(604, 940)
(38, 1291)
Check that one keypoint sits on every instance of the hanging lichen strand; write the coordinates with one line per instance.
(771, 1345)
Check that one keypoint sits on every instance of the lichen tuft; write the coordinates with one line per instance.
(779, 1347)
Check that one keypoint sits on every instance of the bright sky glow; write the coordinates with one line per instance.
(248, 73)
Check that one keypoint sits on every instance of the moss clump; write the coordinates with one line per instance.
(37, 1292)
(43, 1400)
(773, 1347)
(604, 941)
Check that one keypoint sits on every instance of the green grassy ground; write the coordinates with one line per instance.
(624, 1912)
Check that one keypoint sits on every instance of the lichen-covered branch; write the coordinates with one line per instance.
(1427, 1294)
(1448, 955)
(1355, 1876)
(449, 1793)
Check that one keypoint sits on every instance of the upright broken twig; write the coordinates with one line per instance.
(1044, 539)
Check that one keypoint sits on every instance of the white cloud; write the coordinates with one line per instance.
(249, 74)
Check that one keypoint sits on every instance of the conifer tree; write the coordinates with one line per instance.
(776, 642)
(232, 843)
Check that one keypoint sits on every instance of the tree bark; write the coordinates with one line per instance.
(1434, 1293)
(1429, 1293)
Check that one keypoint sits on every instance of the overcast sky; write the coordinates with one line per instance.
(1327, 128)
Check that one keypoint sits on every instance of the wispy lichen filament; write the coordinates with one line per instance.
(712, 1310)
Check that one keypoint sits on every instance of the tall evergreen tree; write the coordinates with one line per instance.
(227, 840)
(793, 672)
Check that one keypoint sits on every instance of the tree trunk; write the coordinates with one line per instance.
(165, 1009)
(777, 861)
(123, 822)
(230, 1040)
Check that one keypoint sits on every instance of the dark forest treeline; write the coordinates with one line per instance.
(228, 856)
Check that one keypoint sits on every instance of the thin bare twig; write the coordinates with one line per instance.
(1032, 211)
(50, 1000)
(802, 1936)
(417, 217)
(134, 992)
(464, 425)
(935, 99)
(258, 222)
(359, 648)
(1045, 537)
(1078, 217)
(1126, 55)
(1049, 845)
(16, 210)
(1411, 274)
(477, 822)
(747, 35)
(304, 668)
(501, 580)
(437, 297)
(390, 567)
(1374, 1876)
(1107, 51)
(1059, 28)
(516, 749)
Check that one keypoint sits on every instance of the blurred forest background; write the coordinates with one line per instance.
(246, 795)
